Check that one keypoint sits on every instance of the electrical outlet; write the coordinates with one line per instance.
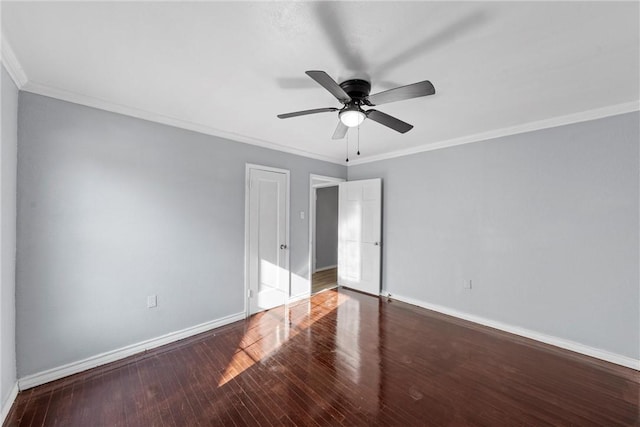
(468, 284)
(152, 301)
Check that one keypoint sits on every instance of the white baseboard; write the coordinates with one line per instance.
(325, 268)
(299, 297)
(6, 406)
(527, 333)
(111, 356)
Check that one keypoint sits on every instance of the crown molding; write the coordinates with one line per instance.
(89, 101)
(20, 78)
(568, 119)
(15, 70)
(12, 65)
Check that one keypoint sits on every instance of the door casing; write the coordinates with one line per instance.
(248, 168)
(316, 181)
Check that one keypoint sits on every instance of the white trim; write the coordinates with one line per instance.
(316, 181)
(19, 76)
(618, 359)
(114, 355)
(328, 288)
(297, 298)
(327, 185)
(584, 116)
(329, 181)
(247, 181)
(6, 407)
(12, 65)
(329, 267)
(102, 104)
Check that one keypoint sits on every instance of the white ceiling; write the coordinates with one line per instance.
(229, 68)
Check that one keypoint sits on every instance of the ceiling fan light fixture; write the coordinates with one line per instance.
(354, 93)
(352, 118)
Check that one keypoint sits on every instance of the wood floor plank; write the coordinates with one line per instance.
(37, 410)
(158, 407)
(342, 359)
(62, 400)
(203, 384)
(324, 279)
(17, 411)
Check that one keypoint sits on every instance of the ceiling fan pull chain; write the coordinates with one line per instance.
(347, 146)
(358, 140)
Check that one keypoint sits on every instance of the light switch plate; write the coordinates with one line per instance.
(152, 301)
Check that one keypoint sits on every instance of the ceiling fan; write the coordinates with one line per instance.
(354, 94)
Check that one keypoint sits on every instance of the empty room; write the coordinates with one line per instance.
(320, 213)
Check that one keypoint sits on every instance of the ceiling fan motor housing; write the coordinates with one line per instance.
(357, 89)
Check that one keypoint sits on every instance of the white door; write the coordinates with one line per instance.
(268, 251)
(359, 231)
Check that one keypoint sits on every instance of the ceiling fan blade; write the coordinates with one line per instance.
(401, 93)
(329, 84)
(341, 130)
(305, 112)
(389, 121)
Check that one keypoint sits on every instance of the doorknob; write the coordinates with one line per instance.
(283, 246)
(376, 243)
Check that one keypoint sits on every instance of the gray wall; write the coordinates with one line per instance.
(8, 162)
(544, 223)
(326, 227)
(112, 209)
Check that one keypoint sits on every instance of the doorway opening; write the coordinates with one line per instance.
(323, 232)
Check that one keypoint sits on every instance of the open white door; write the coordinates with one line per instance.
(268, 252)
(359, 231)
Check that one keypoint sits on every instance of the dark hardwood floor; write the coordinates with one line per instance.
(342, 358)
(324, 279)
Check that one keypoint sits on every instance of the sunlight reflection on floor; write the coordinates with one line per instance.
(269, 330)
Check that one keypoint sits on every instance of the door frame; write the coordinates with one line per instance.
(316, 181)
(247, 182)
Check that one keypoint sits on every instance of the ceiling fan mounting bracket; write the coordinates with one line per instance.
(357, 89)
